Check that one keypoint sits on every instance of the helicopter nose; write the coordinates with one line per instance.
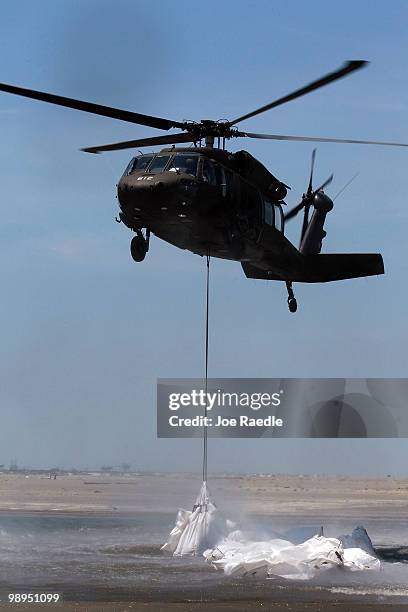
(144, 191)
(157, 187)
(156, 195)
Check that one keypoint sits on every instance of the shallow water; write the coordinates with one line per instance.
(87, 557)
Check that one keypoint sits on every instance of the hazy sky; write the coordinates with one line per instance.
(85, 331)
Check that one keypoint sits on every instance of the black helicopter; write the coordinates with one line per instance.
(222, 204)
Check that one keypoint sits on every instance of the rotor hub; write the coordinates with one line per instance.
(207, 128)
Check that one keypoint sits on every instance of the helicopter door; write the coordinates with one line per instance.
(220, 180)
(208, 172)
(210, 190)
(250, 211)
(227, 185)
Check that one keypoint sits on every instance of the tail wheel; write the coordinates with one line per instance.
(292, 303)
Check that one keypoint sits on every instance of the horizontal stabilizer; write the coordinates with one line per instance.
(324, 268)
(321, 268)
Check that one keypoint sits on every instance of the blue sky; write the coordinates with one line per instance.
(86, 331)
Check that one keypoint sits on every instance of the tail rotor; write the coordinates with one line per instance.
(308, 198)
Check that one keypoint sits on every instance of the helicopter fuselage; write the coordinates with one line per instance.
(201, 199)
(221, 204)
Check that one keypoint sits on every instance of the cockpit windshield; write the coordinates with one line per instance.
(158, 164)
(138, 164)
(184, 162)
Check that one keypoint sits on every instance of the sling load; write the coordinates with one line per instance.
(205, 531)
(202, 527)
(198, 529)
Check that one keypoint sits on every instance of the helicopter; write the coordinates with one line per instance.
(216, 203)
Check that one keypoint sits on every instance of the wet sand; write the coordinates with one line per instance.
(252, 600)
(234, 606)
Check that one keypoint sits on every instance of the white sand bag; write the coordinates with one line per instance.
(195, 531)
(276, 557)
(240, 557)
(205, 530)
(359, 553)
(175, 534)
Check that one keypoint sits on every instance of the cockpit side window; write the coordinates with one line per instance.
(185, 163)
(138, 164)
(158, 164)
(129, 167)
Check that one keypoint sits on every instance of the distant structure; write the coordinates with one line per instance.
(13, 466)
(107, 468)
(123, 467)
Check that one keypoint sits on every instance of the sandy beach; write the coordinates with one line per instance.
(96, 492)
(96, 540)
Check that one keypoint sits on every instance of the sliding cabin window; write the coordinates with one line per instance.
(273, 215)
(268, 213)
(279, 220)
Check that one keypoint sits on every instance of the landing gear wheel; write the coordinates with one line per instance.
(138, 248)
(292, 303)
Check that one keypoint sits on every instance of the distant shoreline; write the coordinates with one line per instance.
(270, 495)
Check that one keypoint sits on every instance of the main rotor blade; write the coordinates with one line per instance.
(142, 142)
(318, 139)
(347, 68)
(90, 107)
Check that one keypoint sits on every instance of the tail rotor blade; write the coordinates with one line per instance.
(323, 185)
(307, 199)
(294, 211)
(309, 189)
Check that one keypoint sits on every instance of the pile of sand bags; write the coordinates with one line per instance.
(239, 557)
(204, 530)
